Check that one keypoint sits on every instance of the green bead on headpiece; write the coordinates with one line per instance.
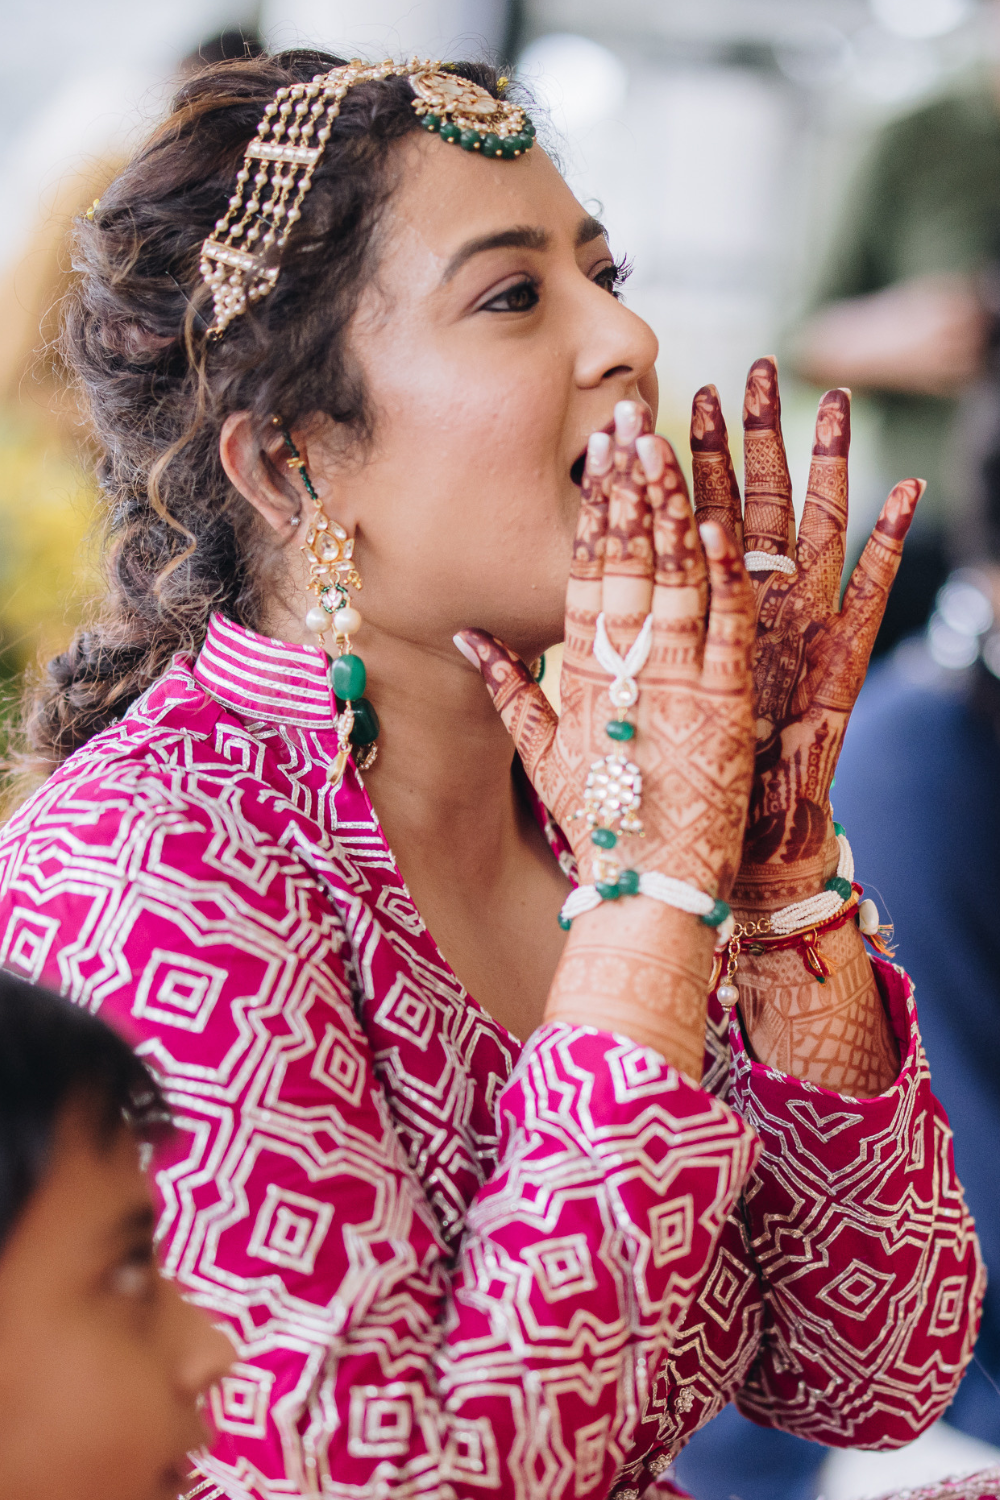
(464, 114)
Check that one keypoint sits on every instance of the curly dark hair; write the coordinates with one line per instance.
(181, 541)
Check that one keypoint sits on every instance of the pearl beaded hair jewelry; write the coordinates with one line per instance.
(240, 261)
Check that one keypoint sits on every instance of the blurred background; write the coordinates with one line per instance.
(814, 178)
(723, 140)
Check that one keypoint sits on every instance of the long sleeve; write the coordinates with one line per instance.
(300, 1042)
(871, 1273)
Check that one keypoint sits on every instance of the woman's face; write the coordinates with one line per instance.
(491, 348)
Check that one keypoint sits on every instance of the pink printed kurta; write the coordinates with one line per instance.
(455, 1265)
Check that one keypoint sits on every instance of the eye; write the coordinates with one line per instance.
(522, 296)
(135, 1277)
(611, 277)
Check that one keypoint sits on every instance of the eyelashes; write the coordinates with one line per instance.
(524, 295)
(613, 277)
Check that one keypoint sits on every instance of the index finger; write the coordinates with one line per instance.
(584, 592)
(768, 518)
(824, 516)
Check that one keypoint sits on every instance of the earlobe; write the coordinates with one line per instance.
(258, 473)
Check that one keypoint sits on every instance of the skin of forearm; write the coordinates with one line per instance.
(641, 969)
(834, 1034)
(924, 336)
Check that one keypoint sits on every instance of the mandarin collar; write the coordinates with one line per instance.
(264, 679)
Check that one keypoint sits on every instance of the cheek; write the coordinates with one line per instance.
(491, 427)
(89, 1417)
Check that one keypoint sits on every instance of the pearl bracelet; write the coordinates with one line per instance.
(827, 902)
(677, 893)
(800, 925)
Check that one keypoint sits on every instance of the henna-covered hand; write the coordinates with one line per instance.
(810, 657)
(637, 549)
(810, 654)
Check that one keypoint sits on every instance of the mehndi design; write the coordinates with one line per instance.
(637, 545)
(809, 661)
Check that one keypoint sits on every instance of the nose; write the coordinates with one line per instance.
(617, 346)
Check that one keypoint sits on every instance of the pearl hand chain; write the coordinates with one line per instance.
(613, 795)
(768, 562)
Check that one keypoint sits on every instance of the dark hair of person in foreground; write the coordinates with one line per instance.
(53, 1055)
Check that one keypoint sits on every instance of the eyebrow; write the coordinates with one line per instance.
(521, 237)
(589, 229)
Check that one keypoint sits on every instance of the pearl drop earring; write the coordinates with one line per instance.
(332, 572)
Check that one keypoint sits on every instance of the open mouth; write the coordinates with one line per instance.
(579, 463)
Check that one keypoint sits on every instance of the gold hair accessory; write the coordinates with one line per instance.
(93, 209)
(240, 260)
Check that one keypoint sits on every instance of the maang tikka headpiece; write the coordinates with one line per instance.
(240, 261)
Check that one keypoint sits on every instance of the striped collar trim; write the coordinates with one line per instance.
(265, 679)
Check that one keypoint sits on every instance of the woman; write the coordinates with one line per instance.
(453, 1261)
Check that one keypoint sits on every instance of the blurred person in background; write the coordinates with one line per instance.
(103, 1367)
(906, 309)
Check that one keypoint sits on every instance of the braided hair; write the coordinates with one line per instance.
(181, 542)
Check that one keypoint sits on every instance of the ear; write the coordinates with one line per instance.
(258, 470)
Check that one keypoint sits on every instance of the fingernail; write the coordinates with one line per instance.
(650, 456)
(761, 403)
(466, 651)
(846, 390)
(764, 368)
(628, 420)
(713, 539)
(598, 451)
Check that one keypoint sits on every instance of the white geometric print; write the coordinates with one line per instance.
(178, 990)
(290, 1229)
(453, 1265)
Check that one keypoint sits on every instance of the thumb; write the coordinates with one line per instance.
(528, 716)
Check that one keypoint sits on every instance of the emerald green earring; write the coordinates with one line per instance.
(332, 572)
